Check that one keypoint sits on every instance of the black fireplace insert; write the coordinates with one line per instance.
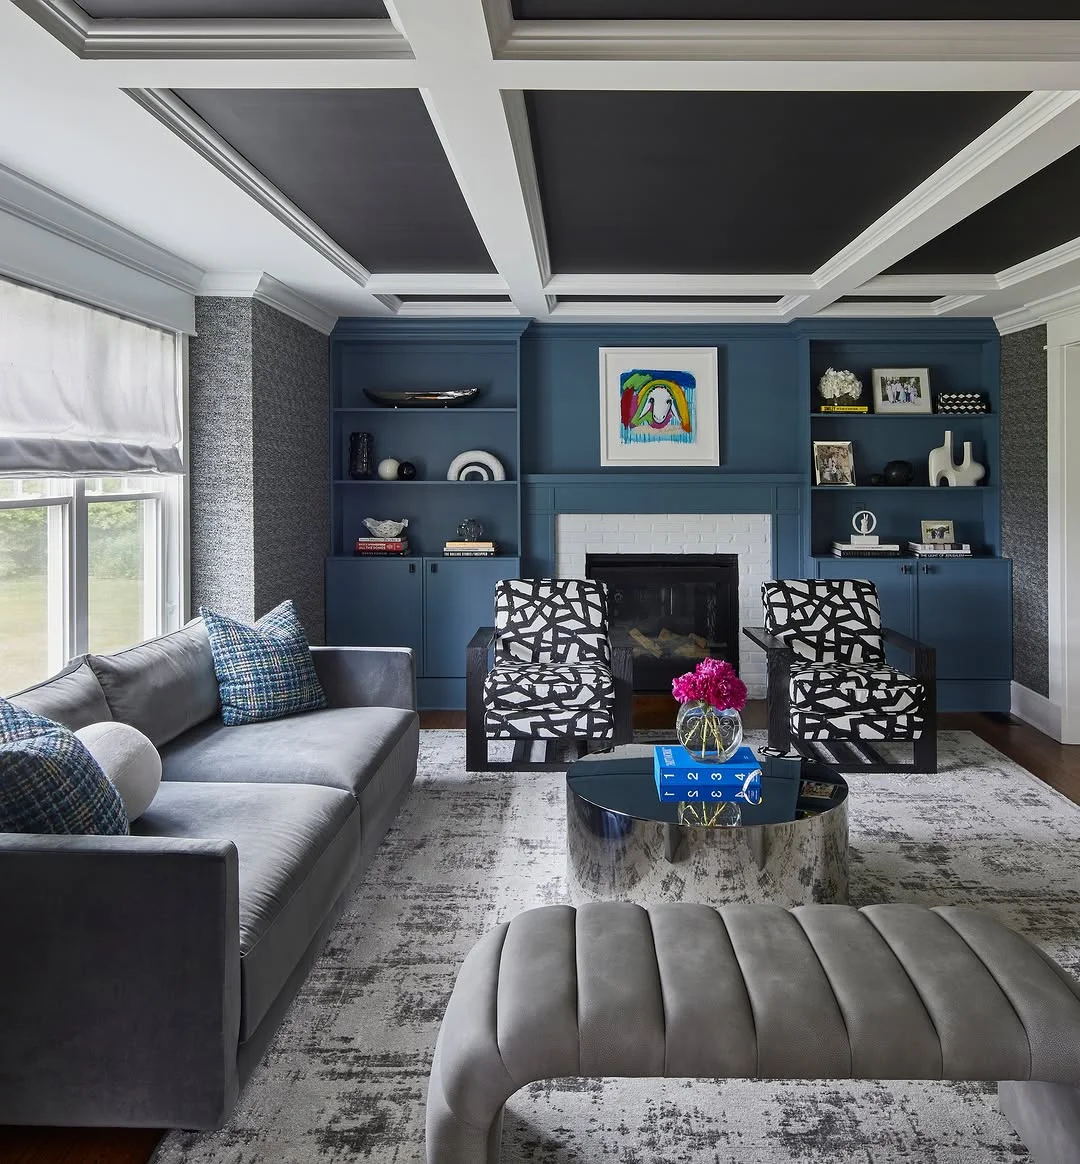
(676, 608)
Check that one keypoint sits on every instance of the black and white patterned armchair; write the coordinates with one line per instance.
(831, 693)
(556, 674)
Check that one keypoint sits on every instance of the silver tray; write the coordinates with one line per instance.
(446, 398)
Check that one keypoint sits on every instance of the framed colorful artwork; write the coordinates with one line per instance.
(659, 407)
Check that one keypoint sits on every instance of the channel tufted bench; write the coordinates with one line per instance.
(818, 992)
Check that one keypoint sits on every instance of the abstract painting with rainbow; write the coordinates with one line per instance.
(656, 407)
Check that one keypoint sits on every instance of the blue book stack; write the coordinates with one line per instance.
(680, 777)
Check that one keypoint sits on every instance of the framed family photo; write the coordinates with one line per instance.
(901, 390)
(936, 531)
(659, 407)
(834, 463)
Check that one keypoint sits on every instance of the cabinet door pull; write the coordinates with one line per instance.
(434, 567)
(412, 567)
(925, 568)
(905, 568)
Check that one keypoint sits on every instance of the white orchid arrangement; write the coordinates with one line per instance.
(839, 383)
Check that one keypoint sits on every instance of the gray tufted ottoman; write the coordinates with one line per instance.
(818, 992)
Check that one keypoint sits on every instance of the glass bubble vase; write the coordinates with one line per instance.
(710, 734)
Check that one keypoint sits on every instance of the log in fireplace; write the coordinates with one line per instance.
(676, 608)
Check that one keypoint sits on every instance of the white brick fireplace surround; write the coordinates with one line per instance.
(747, 534)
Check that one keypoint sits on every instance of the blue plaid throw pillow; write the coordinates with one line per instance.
(51, 784)
(263, 671)
(16, 723)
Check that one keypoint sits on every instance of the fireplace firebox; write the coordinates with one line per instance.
(677, 609)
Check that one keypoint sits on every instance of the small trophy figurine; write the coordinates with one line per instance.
(864, 523)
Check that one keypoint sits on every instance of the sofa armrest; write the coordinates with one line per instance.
(367, 676)
(119, 982)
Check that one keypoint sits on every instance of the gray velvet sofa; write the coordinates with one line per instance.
(143, 977)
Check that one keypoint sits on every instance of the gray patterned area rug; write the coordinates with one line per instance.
(345, 1079)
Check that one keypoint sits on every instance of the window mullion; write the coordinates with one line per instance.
(80, 570)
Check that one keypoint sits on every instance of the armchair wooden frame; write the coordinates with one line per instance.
(558, 753)
(851, 755)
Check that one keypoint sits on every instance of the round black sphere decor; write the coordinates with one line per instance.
(899, 473)
(406, 471)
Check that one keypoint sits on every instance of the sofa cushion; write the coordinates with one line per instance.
(17, 723)
(340, 747)
(297, 848)
(163, 686)
(73, 697)
(548, 701)
(50, 783)
(263, 671)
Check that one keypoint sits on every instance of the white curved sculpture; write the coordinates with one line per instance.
(944, 469)
(478, 462)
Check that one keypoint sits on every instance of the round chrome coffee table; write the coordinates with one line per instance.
(623, 844)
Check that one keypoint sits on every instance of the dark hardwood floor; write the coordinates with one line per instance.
(1057, 764)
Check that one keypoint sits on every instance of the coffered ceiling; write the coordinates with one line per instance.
(729, 160)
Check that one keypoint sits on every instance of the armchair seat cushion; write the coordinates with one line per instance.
(866, 701)
(549, 701)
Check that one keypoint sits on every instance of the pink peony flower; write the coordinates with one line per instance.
(714, 681)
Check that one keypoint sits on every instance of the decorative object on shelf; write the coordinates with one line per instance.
(388, 468)
(659, 407)
(834, 463)
(385, 527)
(944, 469)
(841, 391)
(711, 696)
(864, 523)
(899, 473)
(925, 549)
(476, 465)
(864, 542)
(470, 530)
(877, 478)
(962, 403)
(937, 531)
(361, 455)
(406, 471)
(446, 398)
(901, 390)
(381, 547)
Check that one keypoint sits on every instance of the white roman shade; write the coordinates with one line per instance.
(83, 392)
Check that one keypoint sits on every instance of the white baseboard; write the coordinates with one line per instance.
(1036, 710)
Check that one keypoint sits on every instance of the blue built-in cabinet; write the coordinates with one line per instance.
(426, 601)
(539, 413)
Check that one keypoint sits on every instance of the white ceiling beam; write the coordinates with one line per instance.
(659, 285)
(436, 283)
(485, 135)
(1041, 129)
(901, 285)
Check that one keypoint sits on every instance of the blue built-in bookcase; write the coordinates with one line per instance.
(538, 411)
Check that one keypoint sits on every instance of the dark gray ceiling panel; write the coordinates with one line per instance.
(365, 164)
(734, 183)
(795, 9)
(669, 298)
(235, 9)
(1035, 216)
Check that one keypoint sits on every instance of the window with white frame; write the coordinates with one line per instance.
(89, 560)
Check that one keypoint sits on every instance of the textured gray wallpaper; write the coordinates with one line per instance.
(220, 428)
(259, 491)
(1023, 499)
(291, 385)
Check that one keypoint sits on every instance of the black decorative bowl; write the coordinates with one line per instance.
(446, 398)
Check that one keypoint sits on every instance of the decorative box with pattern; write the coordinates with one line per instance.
(962, 403)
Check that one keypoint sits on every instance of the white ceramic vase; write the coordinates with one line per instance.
(944, 470)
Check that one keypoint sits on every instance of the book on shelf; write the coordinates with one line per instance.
(381, 547)
(881, 550)
(940, 549)
(679, 777)
(469, 545)
(468, 553)
(844, 408)
(944, 554)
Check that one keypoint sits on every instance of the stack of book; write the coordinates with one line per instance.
(469, 549)
(681, 778)
(382, 547)
(881, 550)
(940, 549)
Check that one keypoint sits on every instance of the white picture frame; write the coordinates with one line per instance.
(901, 390)
(675, 422)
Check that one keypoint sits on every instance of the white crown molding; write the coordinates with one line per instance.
(500, 23)
(517, 121)
(928, 285)
(427, 309)
(26, 200)
(660, 285)
(190, 128)
(950, 303)
(619, 310)
(60, 18)
(1039, 311)
(1040, 264)
(882, 309)
(436, 283)
(244, 39)
(793, 40)
(272, 292)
